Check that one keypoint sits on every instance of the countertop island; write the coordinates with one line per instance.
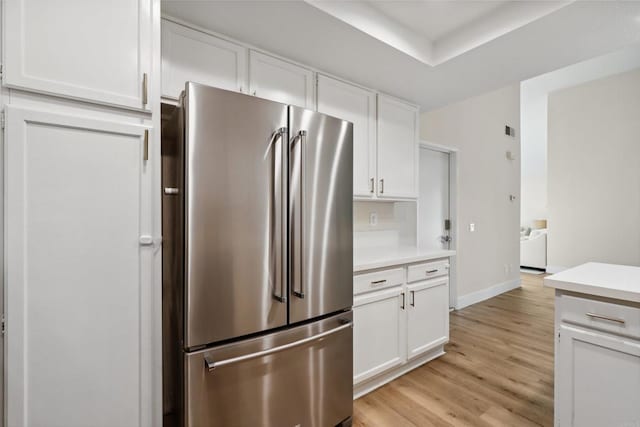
(597, 345)
(599, 279)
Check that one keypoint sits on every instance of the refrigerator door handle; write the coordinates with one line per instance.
(211, 365)
(279, 204)
(301, 135)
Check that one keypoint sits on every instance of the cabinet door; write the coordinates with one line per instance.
(79, 326)
(191, 55)
(397, 148)
(358, 106)
(378, 322)
(428, 315)
(598, 379)
(90, 50)
(280, 81)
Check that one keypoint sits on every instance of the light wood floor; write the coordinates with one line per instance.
(498, 370)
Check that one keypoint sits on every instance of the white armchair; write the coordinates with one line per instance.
(533, 249)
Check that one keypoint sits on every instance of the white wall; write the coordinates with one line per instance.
(533, 120)
(487, 259)
(594, 172)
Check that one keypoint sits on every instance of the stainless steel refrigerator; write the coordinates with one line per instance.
(257, 263)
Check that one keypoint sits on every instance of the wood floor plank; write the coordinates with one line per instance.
(498, 370)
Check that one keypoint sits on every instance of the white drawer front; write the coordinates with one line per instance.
(606, 316)
(377, 280)
(427, 270)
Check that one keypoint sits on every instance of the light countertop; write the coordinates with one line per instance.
(605, 280)
(380, 257)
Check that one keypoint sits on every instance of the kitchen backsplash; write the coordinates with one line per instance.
(384, 224)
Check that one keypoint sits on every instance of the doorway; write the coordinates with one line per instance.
(436, 207)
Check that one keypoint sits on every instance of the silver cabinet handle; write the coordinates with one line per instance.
(302, 137)
(413, 298)
(372, 185)
(402, 306)
(382, 186)
(432, 271)
(379, 282)
(278, 225)
(211, 364)
(610, 319)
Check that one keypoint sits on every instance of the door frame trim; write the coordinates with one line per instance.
(453, 212)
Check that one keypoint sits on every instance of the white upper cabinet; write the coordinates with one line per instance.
(397, 148)
(97, 51)
(191, 55)
(79, 323)
(280, 81)
(428, 315)
(358, 106)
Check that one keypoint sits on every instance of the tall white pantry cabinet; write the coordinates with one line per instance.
(81, 165)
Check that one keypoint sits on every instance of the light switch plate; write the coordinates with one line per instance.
(472, 227)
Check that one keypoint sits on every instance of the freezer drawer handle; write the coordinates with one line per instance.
(210, 364)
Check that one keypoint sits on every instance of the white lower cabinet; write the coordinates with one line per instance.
(396, 328)
(78, 282)
(428, 315)
(598, 379)
(378, 343)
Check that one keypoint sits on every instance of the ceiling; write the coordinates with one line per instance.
(434, 31)
(430, 52)
(436, 19)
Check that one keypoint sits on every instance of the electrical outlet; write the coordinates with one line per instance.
(472, 227)
(373, 218)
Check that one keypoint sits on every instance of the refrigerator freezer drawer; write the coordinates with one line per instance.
(297, 377)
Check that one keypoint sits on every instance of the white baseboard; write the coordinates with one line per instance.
(371, 384)
(484, 294)
(553, 269)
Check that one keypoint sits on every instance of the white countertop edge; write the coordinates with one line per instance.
(393, 260)
(577, 280)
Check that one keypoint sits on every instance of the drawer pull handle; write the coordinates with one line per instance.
(432, 271)
(379, 282)
(610, 319)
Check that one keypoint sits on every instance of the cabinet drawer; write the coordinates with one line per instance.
(605, 316)
(377, 280)
(427, 270)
